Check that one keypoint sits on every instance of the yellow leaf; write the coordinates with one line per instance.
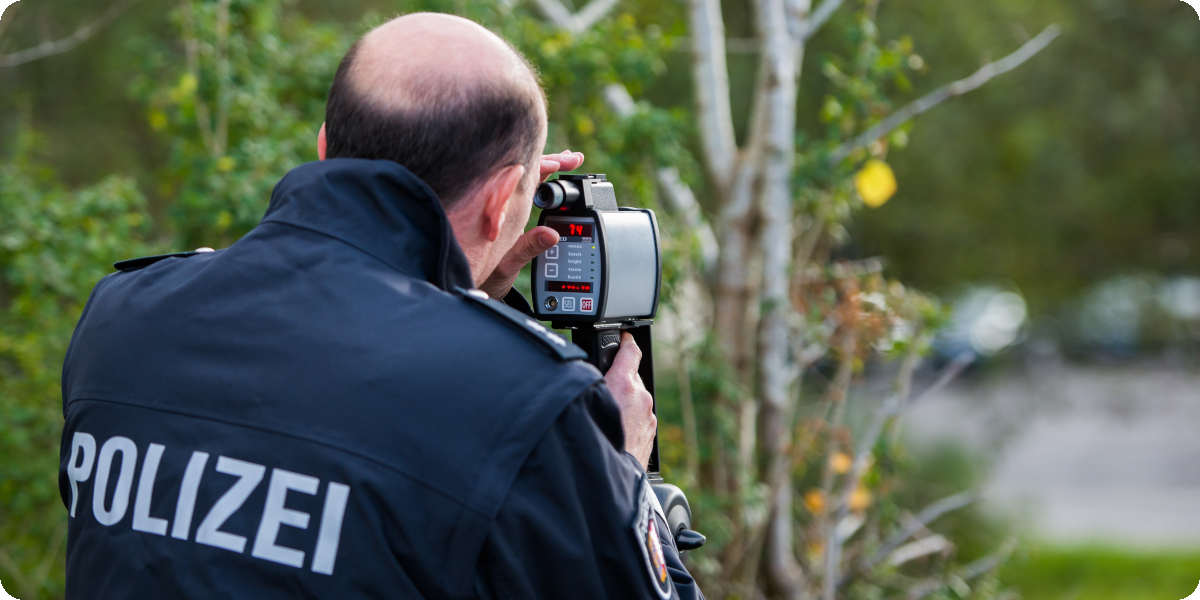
(585, 126)
(158, 120)
(550, 47)
(860, 500)
(875, 183)
(841, 462)
(187, 84)
(224, 219)
(814, 501)
(225, 164)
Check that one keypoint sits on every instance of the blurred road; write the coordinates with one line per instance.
(1082, 453)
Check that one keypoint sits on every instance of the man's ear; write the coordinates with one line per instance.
(496, 192)
(321, 143)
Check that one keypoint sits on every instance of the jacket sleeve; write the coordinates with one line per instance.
(567, 527)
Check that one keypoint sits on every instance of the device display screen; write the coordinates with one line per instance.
(572, 229)
(568, 286)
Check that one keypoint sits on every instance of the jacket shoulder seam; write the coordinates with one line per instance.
(562, 349)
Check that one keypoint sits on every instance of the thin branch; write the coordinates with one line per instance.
(221, 127)
(948, 374)
(988, 563)
(835, 406)
(684, 203)
(862, 456)
(192, 60)
(618, 99)
(973, 570)
(922, 520)
(950, 90)
(577, 22)
(61, 45)
(817, 19)
(797, 11)
(807, 245)
(58, 538)
(736, 212)
(746, 568)
(890, 408)
(555, 11)
(592, 13)
(677, 193)
(687, 409)
(18, 576)
(712, 90)
(931, 544)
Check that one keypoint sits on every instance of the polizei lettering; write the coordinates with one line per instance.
(110, 469)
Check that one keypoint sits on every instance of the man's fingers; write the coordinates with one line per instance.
(628, 357)
(563, 161)
(549, 166)
(530, 244)
(636, 403)
(569, 161)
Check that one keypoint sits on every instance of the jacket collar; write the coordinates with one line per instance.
(378, 207)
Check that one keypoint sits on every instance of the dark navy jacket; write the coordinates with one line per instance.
(324, 410)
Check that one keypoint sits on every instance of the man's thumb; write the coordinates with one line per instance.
(628, 357)
(530, 244)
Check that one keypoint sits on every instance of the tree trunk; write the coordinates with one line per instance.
(777, 371)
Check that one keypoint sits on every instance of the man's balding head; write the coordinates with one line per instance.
(439, 94)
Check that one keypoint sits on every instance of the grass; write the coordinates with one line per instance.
(1102, 572)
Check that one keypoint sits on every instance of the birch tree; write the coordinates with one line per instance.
(764, 221)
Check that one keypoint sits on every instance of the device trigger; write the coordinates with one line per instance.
(689, 539)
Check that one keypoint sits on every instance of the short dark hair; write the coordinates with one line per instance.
(449, 137)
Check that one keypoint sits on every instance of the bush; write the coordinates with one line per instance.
(55, 244)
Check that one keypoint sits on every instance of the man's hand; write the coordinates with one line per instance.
(637, 406)
(532, 242)
(563, 161)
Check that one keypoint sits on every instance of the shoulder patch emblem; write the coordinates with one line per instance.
(649, 541)
(561, 348)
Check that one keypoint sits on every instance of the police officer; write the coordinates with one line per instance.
(333, 407)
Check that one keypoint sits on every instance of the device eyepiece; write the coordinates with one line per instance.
(557, 194)
(549, 195)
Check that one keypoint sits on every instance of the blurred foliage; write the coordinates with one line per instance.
(1084, 572)
(54, 243)
(1076, 169)
(235, 113)
(1080, 168)
(203, 106)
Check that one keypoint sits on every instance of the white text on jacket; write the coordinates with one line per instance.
(110, 468)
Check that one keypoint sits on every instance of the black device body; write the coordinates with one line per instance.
(601, 279)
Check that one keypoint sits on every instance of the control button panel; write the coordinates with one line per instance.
(569, 272)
